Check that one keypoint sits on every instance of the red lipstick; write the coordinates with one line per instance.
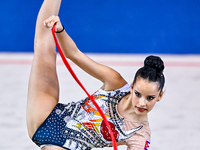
(141, 109)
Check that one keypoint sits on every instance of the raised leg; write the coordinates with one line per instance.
(43, 91)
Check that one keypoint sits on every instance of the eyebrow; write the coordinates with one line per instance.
(152, 95)
(148, 95)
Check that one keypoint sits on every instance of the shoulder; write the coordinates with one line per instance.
(114, 81)
(124, 88)
(141, 139)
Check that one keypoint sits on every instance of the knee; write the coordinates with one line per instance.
(45, 47)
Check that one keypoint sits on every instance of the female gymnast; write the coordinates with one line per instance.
(78, 125)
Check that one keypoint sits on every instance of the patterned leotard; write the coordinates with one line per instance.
(79, 126)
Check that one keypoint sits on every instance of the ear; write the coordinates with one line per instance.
(160, 96)
(131, 88)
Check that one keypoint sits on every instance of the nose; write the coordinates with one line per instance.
(142, 101)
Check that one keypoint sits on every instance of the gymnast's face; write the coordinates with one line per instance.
(144, 96)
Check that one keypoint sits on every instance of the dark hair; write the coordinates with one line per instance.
(152, 71)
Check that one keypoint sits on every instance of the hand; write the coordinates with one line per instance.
(48, 23)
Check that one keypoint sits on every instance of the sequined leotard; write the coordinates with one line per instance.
(79, 126)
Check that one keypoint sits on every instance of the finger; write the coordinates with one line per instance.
(55, 20)
(51, 18)
(47, 22)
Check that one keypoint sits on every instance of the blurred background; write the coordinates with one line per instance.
(119, 34)
(110, 26)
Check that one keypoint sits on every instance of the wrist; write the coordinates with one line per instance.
(60, 30)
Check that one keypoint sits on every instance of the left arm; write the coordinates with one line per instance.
(111, 79)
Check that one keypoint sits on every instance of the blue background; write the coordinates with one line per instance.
(109, 26)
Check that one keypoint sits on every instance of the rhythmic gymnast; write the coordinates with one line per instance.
(78, 125)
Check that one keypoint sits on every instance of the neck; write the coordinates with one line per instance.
(126, 110)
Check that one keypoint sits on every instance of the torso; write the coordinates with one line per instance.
(82, 119)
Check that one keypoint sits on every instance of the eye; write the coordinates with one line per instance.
(150, 98)
(137, 94)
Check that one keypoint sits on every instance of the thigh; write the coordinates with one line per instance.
(52, 147)
(43, 90)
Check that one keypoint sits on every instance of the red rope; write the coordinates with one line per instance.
(80, 84)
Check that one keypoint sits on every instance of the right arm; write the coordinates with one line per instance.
(112, 79)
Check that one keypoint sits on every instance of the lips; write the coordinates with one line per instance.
(141, 109)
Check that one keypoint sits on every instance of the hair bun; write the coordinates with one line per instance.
(154, 62)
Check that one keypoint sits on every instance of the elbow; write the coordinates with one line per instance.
(73, 55)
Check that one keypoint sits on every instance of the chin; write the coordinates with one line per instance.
(141, 114)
